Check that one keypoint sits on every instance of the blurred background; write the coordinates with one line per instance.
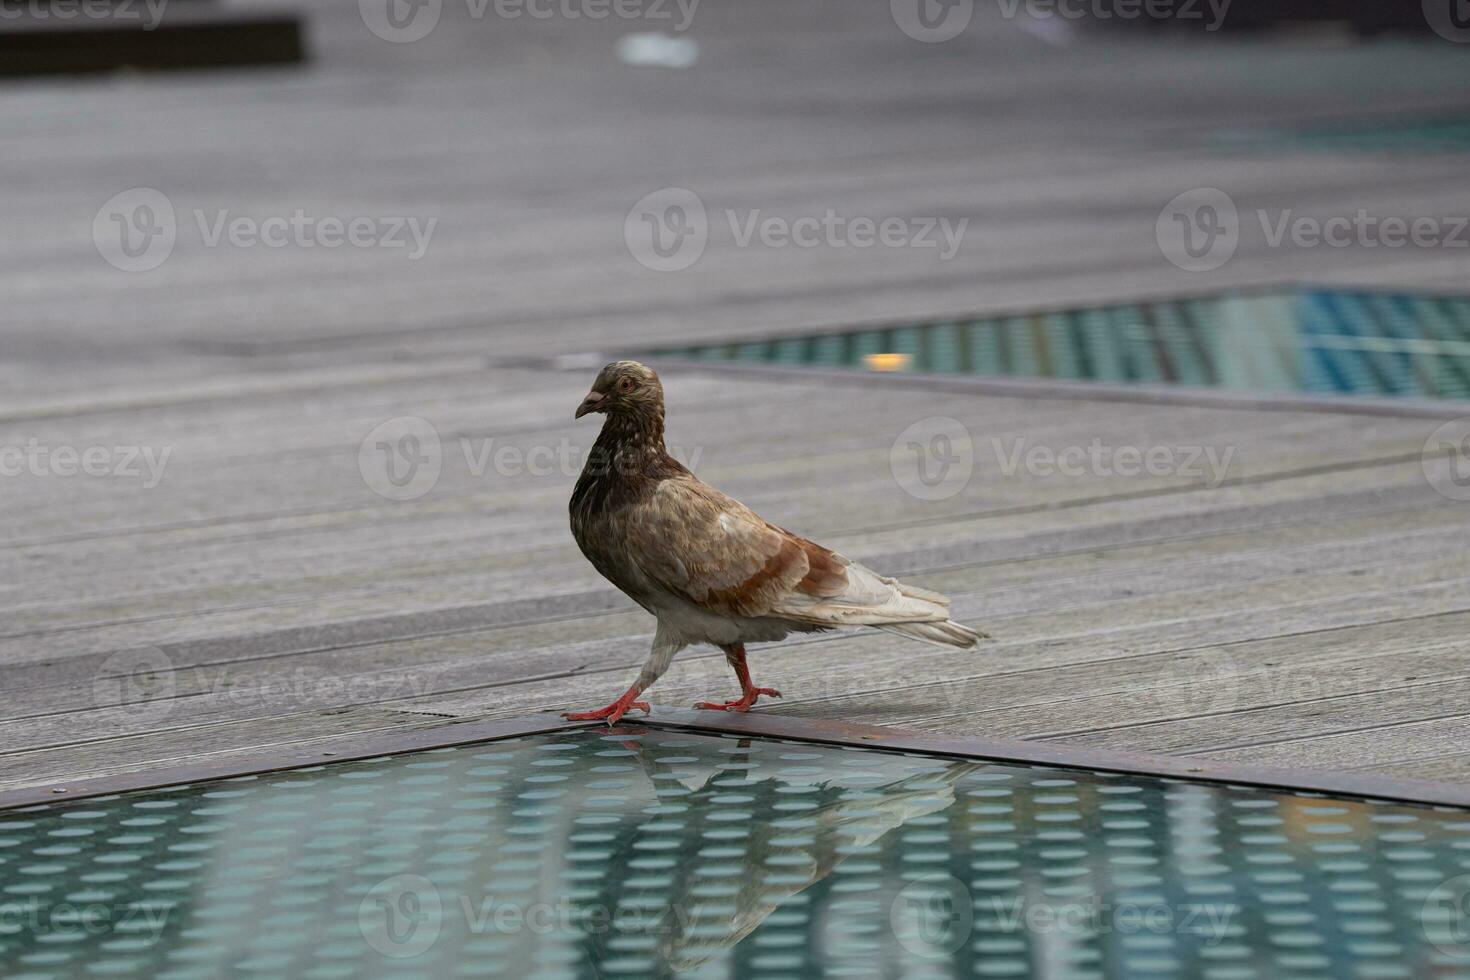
(526, 130)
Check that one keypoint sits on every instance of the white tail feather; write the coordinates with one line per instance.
(946, 634)
(870, 599)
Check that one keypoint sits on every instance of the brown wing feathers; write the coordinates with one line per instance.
(714, 551)
(824, 576)
(656, 530)
(753, 596)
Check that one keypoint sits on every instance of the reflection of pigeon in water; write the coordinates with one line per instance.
(714, 903)
(706, 565)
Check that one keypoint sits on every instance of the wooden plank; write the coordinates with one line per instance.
(352, 596)
(136, 754)
(780, 481)
(215, 691)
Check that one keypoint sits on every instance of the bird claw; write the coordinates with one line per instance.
(611, 714)
(741, 704)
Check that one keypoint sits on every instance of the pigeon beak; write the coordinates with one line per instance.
(592, 403)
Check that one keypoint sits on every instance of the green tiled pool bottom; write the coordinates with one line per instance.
(638, 853)
(1431, 135)
(1308, 341)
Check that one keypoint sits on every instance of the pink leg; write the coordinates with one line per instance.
(612, 712)
(735, 655)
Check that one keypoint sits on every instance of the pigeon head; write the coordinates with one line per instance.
(625, 388)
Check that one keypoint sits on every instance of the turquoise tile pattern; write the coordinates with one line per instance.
(1312, 341)
(650, 853)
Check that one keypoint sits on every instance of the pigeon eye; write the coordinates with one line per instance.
(627, 384)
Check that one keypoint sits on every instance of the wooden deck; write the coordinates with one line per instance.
(1311, 610)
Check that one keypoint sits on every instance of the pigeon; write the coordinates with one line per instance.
(709, 568)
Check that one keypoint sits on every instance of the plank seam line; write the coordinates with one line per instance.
(1252, 709)
(296, 600)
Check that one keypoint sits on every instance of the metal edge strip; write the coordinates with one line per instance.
(346, 748)
(1074, 389)
(1082, 390)
(1064, 756)
(825, 732)
(1257, 290)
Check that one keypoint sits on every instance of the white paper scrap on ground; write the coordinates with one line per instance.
(658, 50)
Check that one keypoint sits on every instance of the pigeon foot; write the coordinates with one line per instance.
(613, 712)
(742, 703)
